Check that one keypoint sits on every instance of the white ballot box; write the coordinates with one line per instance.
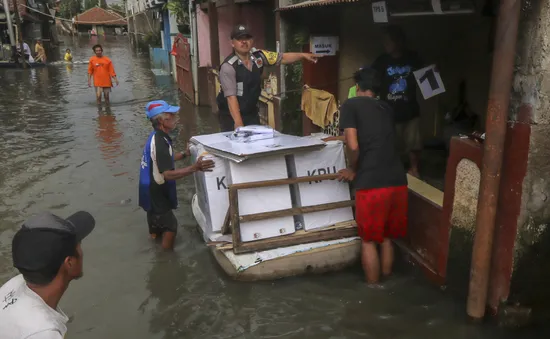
(328, 160)
(263, 199)
(212, 189)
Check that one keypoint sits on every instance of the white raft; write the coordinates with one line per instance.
(316, 257)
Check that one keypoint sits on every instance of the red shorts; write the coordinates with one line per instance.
(381, 213)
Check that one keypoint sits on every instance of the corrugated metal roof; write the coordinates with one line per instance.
(314, 3)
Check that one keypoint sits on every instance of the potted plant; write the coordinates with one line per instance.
(180, 9)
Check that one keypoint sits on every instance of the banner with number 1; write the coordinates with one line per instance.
(429, 81)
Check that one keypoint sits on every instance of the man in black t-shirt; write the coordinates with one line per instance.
(377, 173)
(398, 88)
(158, 173)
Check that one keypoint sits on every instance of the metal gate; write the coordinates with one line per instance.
(182, 53)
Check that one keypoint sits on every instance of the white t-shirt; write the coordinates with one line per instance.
(24, 315)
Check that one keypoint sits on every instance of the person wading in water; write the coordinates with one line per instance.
(101, 69)
(158, 173)
(377, 173)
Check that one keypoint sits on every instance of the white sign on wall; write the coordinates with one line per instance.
(326, 45)
(379, 11)
(430, 82)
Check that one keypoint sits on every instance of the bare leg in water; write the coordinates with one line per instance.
(98, 95)
(370, 260)
(106, 95)
(168, 240)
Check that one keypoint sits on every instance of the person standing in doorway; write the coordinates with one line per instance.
(40, 51)
(158, 174)
(101, 69)
(377, 173)
(241, 78)
(396, 68)
(47, 252)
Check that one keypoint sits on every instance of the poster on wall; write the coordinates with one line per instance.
(325, 45)
(379, 11)
(430, 82)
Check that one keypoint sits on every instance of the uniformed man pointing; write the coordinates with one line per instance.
(240, 79)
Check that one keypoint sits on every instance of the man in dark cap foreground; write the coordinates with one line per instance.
(47, 253)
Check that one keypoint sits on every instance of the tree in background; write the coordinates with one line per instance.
(180, 9)
(70, 8)
(120, 9)
(103, 4)
(90, 4)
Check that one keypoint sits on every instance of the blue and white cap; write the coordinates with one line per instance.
(154, 108)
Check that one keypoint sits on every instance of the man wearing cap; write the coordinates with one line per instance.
(240, 79)
(158, 175)
(47, 253)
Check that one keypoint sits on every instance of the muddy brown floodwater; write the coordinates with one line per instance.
(59, 153)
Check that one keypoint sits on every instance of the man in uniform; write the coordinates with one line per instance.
(240, 79)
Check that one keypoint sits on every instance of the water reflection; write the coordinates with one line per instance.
(109, 136)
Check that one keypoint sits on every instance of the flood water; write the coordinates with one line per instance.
(59, 153)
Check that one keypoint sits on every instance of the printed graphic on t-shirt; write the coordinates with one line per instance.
(398, 87)
(9, 299)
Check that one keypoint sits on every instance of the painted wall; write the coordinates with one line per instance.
(225, 25)
(203, 31)
(166, 30)
(253, 16)
(159, 59)
(173, 32)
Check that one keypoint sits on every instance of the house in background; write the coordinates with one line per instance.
(34, 25)
(102, 21)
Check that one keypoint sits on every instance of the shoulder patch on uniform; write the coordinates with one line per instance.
(233, 60)
(271, 57)
(253, 50)
(259, 62)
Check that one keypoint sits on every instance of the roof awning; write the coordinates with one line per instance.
(314, 3)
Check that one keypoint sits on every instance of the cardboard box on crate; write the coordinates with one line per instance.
(263, 199)
(328, 160)
(212, 189)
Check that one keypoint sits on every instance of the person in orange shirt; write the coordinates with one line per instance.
(102, 70)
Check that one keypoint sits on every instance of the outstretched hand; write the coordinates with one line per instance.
(312, 57)
(204, 165)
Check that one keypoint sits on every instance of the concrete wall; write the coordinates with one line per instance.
(466, 194)
(530, 108)
(459, 45)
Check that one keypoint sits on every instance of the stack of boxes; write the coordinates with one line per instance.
(213, 197)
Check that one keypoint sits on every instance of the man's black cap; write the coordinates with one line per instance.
(240, 31)
(45, 239)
